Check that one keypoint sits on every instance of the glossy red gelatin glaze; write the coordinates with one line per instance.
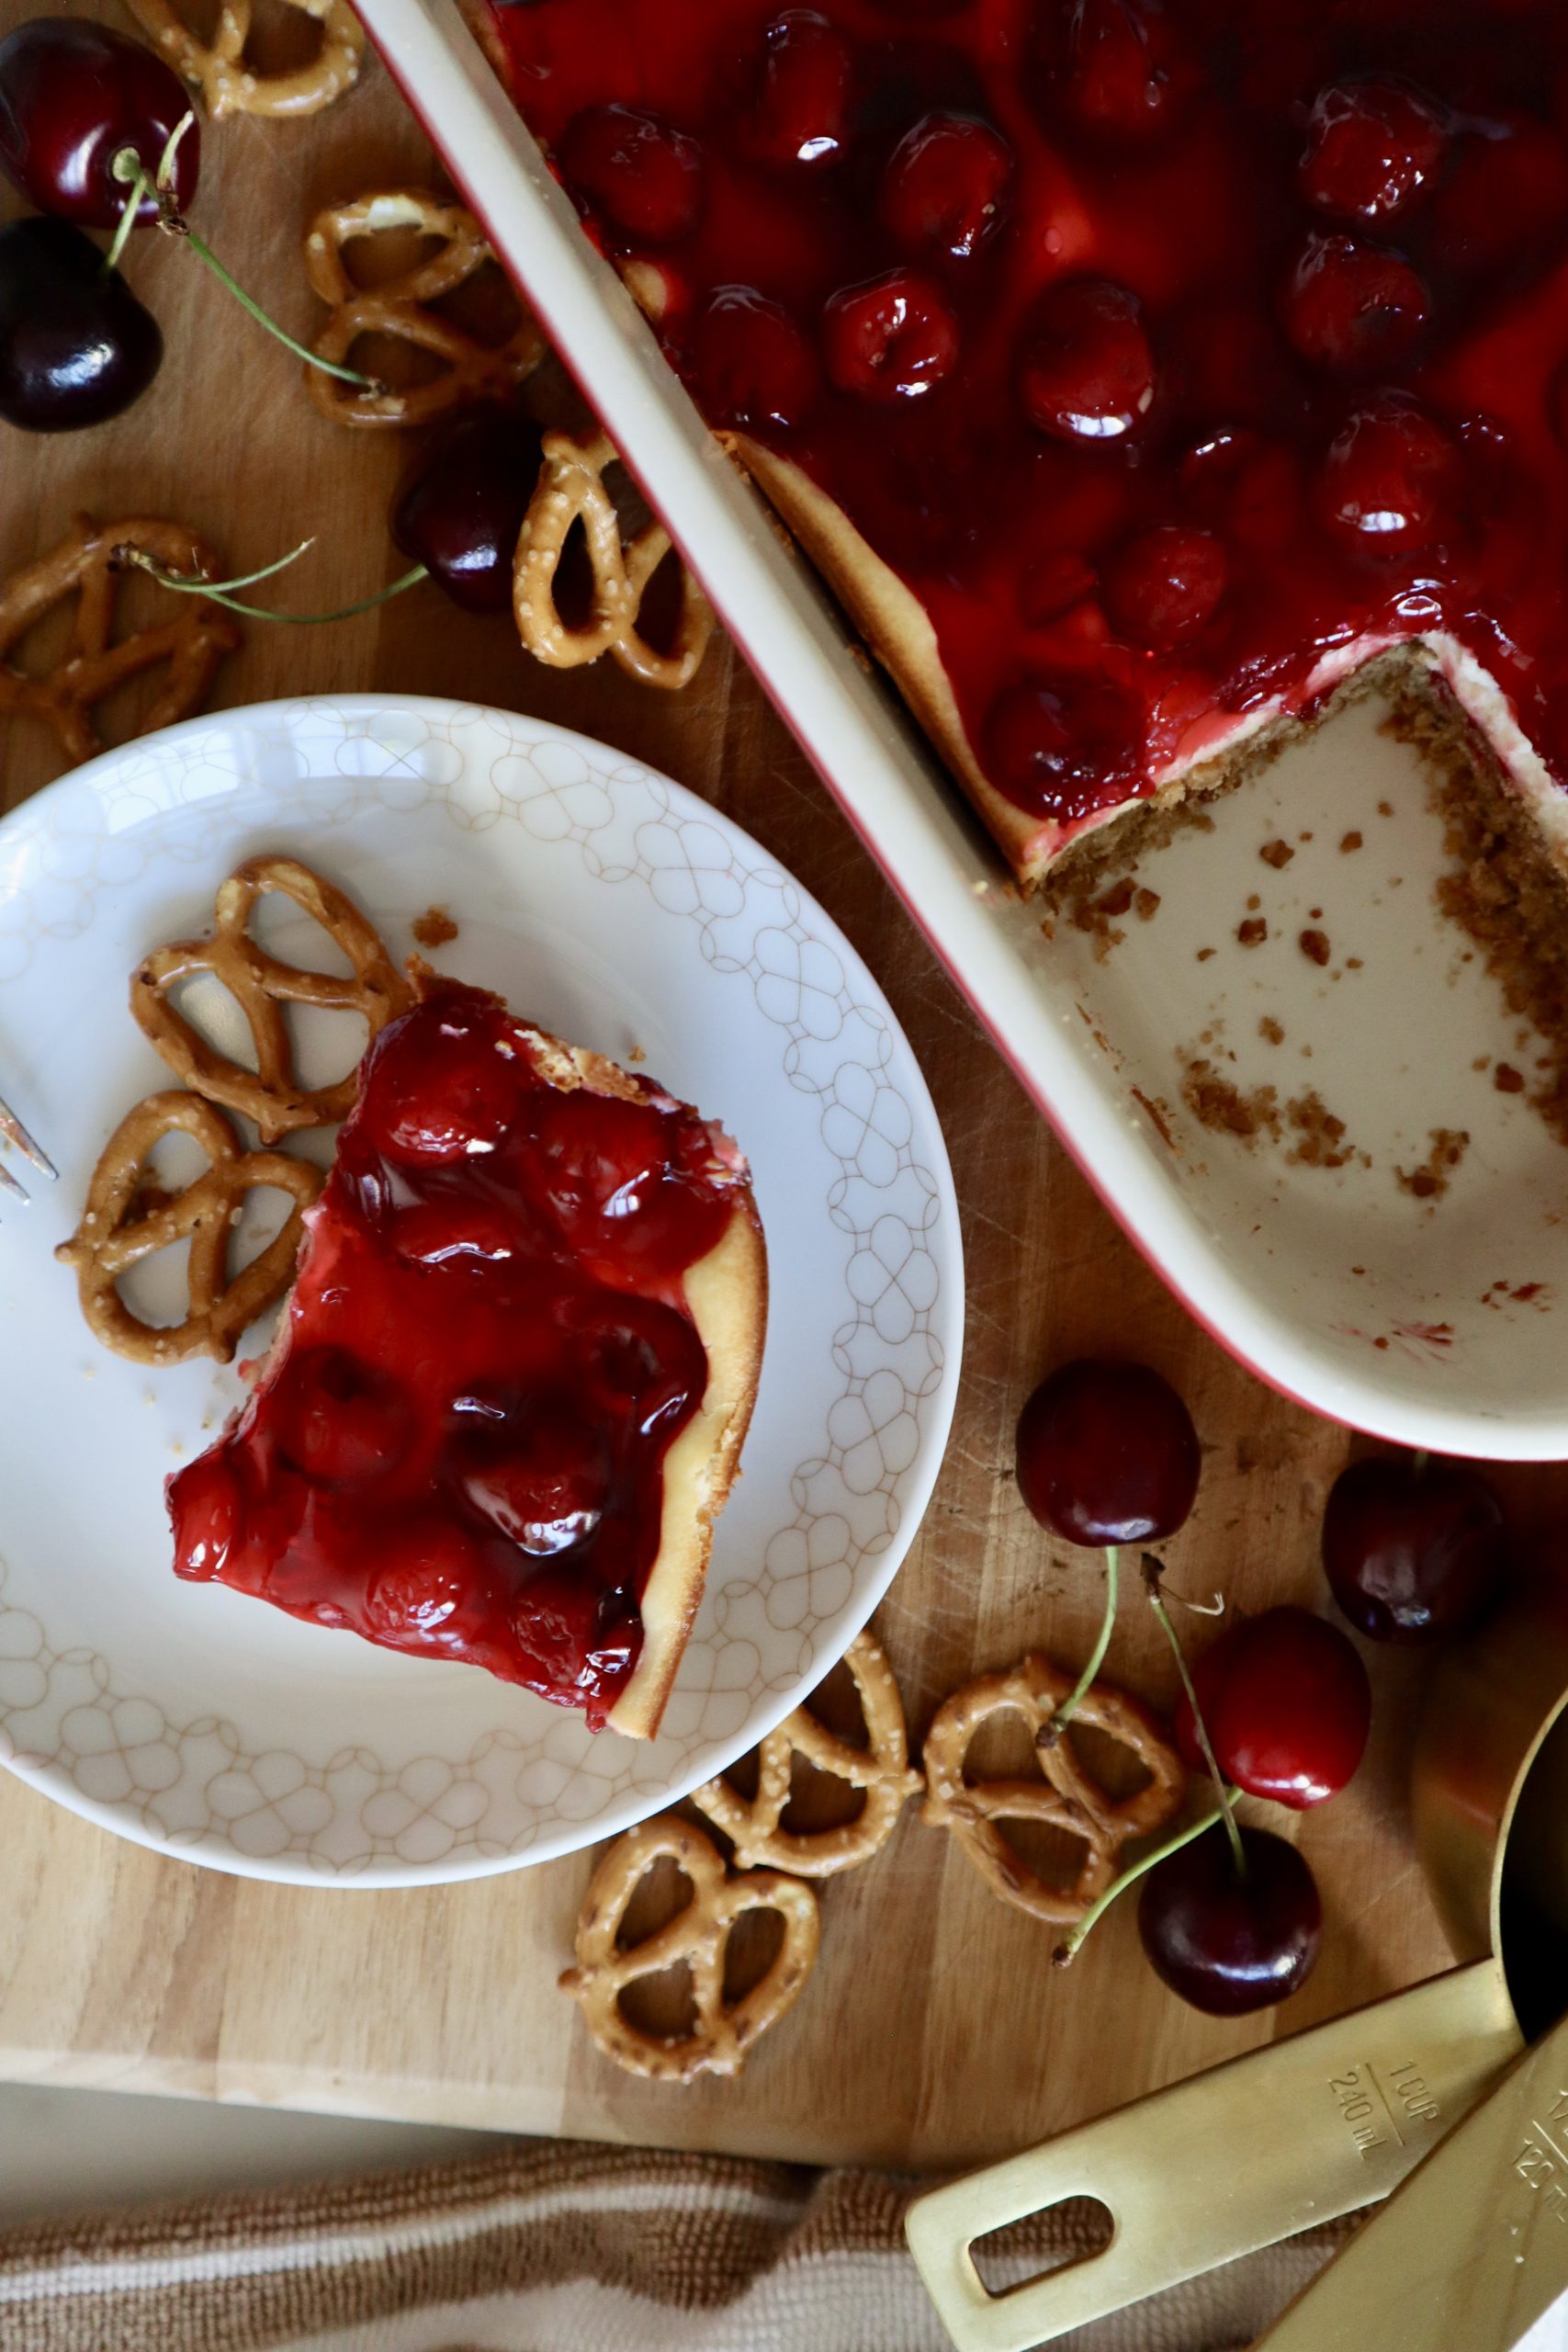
(457, 1449)
(1163, 350)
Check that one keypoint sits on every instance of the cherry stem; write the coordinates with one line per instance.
(216, 592)
(1068, 1949)
(1152, 1573)
(128, 168)
(1049, 1733)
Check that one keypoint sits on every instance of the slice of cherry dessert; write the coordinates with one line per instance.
(510, 1390)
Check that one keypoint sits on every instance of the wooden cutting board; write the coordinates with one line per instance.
(933, 2032)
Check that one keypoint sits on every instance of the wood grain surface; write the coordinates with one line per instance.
(933, 2032)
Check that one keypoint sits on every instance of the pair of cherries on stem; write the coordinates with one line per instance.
(98, 133)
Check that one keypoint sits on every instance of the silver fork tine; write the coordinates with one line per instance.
(9, 1184)
(14, 1132)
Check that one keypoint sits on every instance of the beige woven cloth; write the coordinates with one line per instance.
(561, 2247)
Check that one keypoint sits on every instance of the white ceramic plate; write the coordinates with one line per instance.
(619, 909)
(1431, 1345)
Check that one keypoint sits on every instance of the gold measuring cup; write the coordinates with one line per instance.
(1337, 2117)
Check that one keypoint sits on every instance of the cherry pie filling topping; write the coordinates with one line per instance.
(1165, 348)
(460, 1449)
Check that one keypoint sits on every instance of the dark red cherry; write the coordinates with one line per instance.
(1372, 147)
(443, 1094)
(1393, 480)
(639, 171)
(1413, 1550)
(1250, 486)
(341, 1421)
(1055, 585)
(1165, 586)
(1287, 1706)
(640, 1361)
(1229, 1944)
(947, 185)
(802, 105)
(72, 97)
(430, 1568)
(460, 506)
(1107, 1453)
(1065, 746)
(540, 1479)
(1085, 369)
(1505, 195)
(597, 1159)
(753, 366)
(1351, 306)
(205, 1507)
(1115, 68)
(892, 338)
(75, 344)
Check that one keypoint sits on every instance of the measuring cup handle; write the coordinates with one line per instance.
(1232, 2160)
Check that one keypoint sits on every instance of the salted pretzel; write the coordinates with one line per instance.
(881, 1769)
(472, 371)
(697, 1935)
(571, 489)
(113, 1236)
(271, 1094)
(1067, 1797)
(86, 565)
(218, 68)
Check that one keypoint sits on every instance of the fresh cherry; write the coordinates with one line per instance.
(1228, 1942)
(1287, 1706)
(1413, 1549)
(1393, 480)
(947, 185)
(1107, 1453)
(460, 505)
(1351, 306)
(801, 107)
(75, 344)
(1116, 69)
(1065, 746)
(1373, 145)
(642, 174)
(1085, 372)
(892, 338)
(72, 97)
(1165, 586)
(753, 365)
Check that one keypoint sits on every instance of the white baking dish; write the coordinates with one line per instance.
(1338, 1285)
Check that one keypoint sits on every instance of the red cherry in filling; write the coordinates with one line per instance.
(639, 171)
(1414, 1550)
(753, 365)
(541, 1479)
(1164, 586)
(1392, 480)
(1351, 306)
(204, 1508)
(1107, 1453)
(338, 1419)
(428, 1570)
(1287, 1706)
(75, 344)
(1228, 1944)
(1252, 486)
(1372, 147)
(892, 338)
(460, 504)
(1064, 746)
(800, 109)
(947, 185)
(640, 1361)
(437, 1091)
(1085, 372)
(456, 1231)
(72, 97)
(598, 1158)
(1505, 195)
(576, 1638)
(1114, 63)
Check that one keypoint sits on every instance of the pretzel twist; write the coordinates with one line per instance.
(271, 1094)
(192, 641)
(472, 371)
(111, 1238)
(218, 68)
(880, 1769)
(571, 489)
(698, 1935)
(1067, 1798)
